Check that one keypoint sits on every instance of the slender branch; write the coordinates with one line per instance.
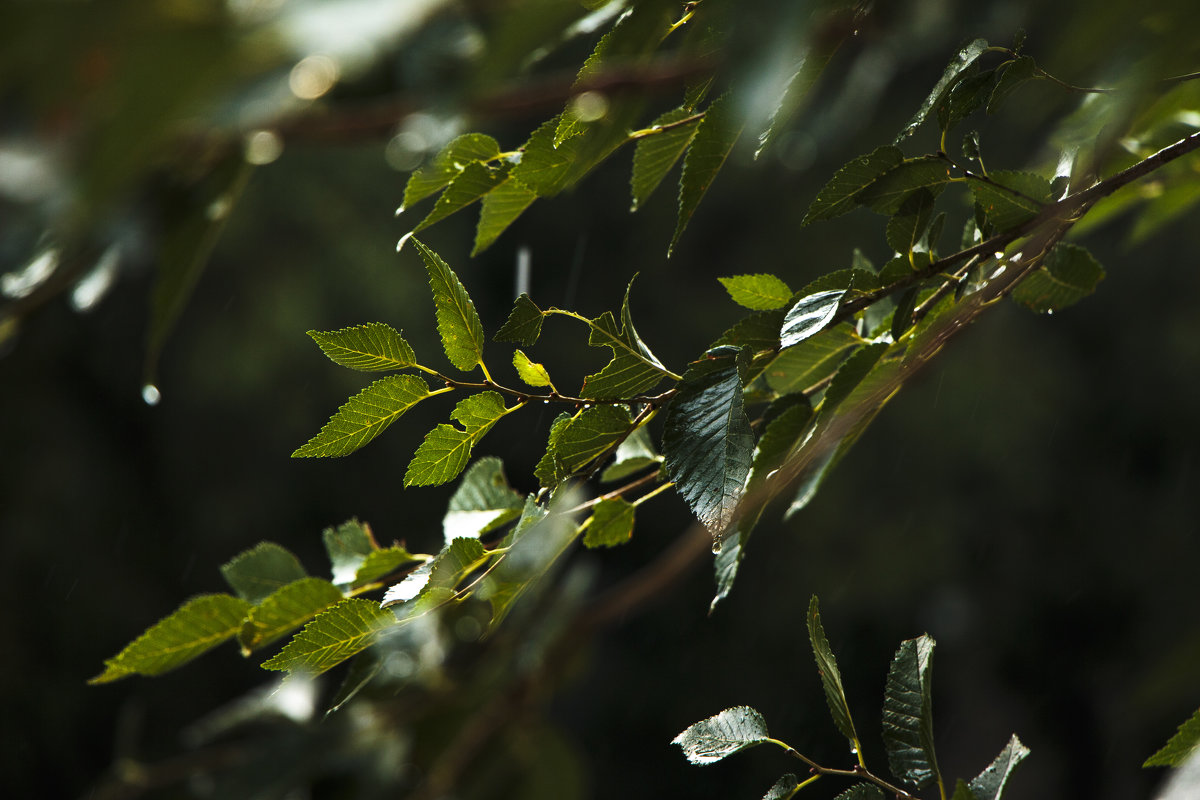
(666, 126)
(859, 771)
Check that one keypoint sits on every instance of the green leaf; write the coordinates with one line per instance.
(447, 449)
(383, 562)
(1012, 74)
(482, 502)
(446, 165)
(550, 470)
(612, 523)
(365, 415)
(544, 168)
(757, 331)
(633, 454)
(197, 626)
(633, 368)
(1068, 274)
(887, 193)
(655, 154)
(989, 784)
(475, 181)
(760, 292)
(861, 791)
(840, 195)
(591, 433)
(530, 372)
(374, 347)
(715, 138)
(255, 573)
(335, 634)
(537, 542)
(831, 677)
(524, 324)
(968, 94)
(436, 579)
(733, 730)
(1180, 746)
(783, 788)
(908, 714)
(348, 545)
(802, 366)
(962, 791)
(729, 555)
(851, 374)
(707, 440)
(1010, 198)
(809, 315)
(457, 321)
(500, 208)
(361, 672)
(908, 225)
(957, 66)
(284, 610)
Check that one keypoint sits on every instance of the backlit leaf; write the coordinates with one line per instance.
(1010, 198)
(809, 315)
(590, 434)
(908, 714)
(802, 366)
(544, 168)
(714, 140)
(194, 628)
(1180, 746)
(957, 66)
(255, 573)
(447, 164)
(633, 368)
(733, 730)
(500, 208)
(654, 155)
(374, 347)
(482, 502)
(760, 292)
(612, 523)
(962, 791)
(457, 321)
(1068, 274)
(524, 324)
(383, 562)
(758, 331)
(446, 448)
(887, 193)
(284, 610)
(634, 454)
(347, 545)
(530, 372)
(335, 634)
(839, 196)
(365, 415)
(472, 183)
(550, 470)
(831, 677)
(989, 784)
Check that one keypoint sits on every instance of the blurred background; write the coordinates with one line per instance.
(1031, 501)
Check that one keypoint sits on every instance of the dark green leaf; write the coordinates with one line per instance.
(962, 791)
(550, 471)
(729, 556)
(831, 677)
(532, 373)
(582, 438)
(446, 165)
(809, 316)
(1009, 198)
(197, 626)
(1068, 274)
(708, 444)
(757, 331)
(374, 347)
(634, 454)
(1012, 74)
(800, 367)
(960, 63)
(348, 545)
(500, 208)
(475, 181)
(255, 573)
(783, 788)
(760, 292)
(365, 416)
(967, 95)
(714, 140)
(906, 228)
(657, 153)
(524, 324)
(851, 374)
(337, 633)
(839, 196)
(383, 562)
(1179, 747)
(989, 784)
(612, 523)
(633, 368)
(970, 145)
(861, 791)
(733, 730)
(800, 84)
(908, 714)
(888, 192)
(447, 449)
(285, 610)
(482, 502)
(457, 321)
(905, 305)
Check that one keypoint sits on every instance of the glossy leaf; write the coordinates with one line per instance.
(475, 181)
(758, 331)
(889, 191)
(908, 714)
(383, 562)
(524, 324)
(1180, 746)
(255, 573)
(655, 154)
(633, 368)
(285, 610)
(634, 454)
(197, 626)
(499, 209)
(1068, 274)
(447, 448)
(831, 677)
(530, 372)
(1011, 198)
(457, 321)
(612, 523)
(374, 347)
(715, 138)
(733, 730)
(783, 788)
(760, 292)
(840, 195)
(364, 416)
(335, 634)
(708, 444)
(809, 315)
(347, 546)
(447, 164)
(957, 66)
(1012, 75)
(989, 784)
(482, 502)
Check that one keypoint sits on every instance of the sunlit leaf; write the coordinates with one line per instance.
(1068, 274)
(383, 562)
(285, 610)
(655, 154)
(255, 573)
(550, 470)
(733, 730)
(831, 677)
(1012, 74)
(908, 714)
(446, 165)
(840, 195)
(714, 140)
(809, 315)
(760, 292)
(348, 545)
(1010, 198)
(887, 193)
(989, 784)
(365, 415)
(457, 321)
(374, 347)
(802, 366)
(544, 168)
(957, 66)
(524, 324)
(612, 523)
(472, 183)
(530, 372)
(1180, 746)
(335, 634)
(482, 502)
(447, 448)
(500, 208)
(194, 628)
(634, 454)
(591, 433)
(633, 368)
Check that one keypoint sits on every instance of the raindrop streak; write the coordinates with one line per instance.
(151, 395)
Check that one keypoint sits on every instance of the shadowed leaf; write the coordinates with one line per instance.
(989, 784)
(1068, 274)
(957, 66)
(831, 677)
(839, 196)
(715, 138)
(654, 155)
(908, 714)
(255, 573)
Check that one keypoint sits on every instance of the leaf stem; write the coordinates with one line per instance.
(642, 133)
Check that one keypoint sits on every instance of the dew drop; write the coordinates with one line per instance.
(400, 209)
(151, 395)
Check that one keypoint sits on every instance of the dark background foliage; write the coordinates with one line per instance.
(1030, 501)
